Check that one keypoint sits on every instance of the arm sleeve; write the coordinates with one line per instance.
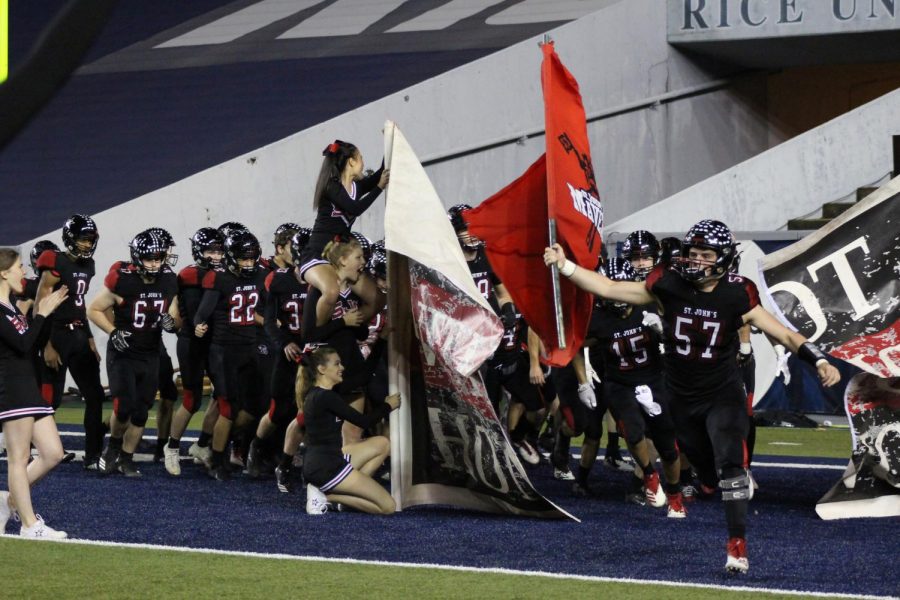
(336, 405)
(368, 192)
(207, 306)
(191, 297)
(22, 344)
(270, 316)
(311, 332)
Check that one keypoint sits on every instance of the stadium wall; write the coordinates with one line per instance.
(660, 121)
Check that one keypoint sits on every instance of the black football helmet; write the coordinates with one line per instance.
(39, 248)
(206, 239)
(461, 227)
(80, 228)
(377, 265)
(670, 251)
(230, 227)
(238, 245)
(709, 235)
(641, 244)
(166, 237)
(620, 269)
(455, 213)
(148, 246)
(364, 243)
(284, 233)
(299, 242)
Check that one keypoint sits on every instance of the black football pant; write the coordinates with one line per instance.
(74, 350)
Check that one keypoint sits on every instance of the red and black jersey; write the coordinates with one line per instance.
(513, 343)
(236, 300)
(484, 277)
(701, 330)
(190, 291)
(75, 274)
(29, 292)
(29, 288)
(284, 307)
(376, 326)
(141, 307)
(630, 350)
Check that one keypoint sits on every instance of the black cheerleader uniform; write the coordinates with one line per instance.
(19, 395)
(325, 466)
(337, 212)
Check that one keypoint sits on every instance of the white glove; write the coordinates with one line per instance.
(644, 396)
(587, 396)
(781, 363)
(592, 375)
(652, 321)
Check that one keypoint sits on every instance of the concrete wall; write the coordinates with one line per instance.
(794, 178)
(620, 57)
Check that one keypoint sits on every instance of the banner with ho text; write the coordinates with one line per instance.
(447, 444)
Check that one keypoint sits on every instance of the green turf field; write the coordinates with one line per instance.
(826, 442)
(99, 572)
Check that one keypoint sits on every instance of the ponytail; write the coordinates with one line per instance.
(306, 374)
(336, 156)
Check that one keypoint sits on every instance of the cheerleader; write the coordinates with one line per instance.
(22, 409)
(342, 194)
(335, 472)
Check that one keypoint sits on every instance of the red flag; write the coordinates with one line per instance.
(572, 196)
(513, 222)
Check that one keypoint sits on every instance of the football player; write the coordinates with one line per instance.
(703, 308)
(71, 345)
(230, 298)
(283, 317)
(634, 388)
(140, 295)
(207, 249)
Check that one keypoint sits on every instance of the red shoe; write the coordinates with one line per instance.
(737, 561)
(676, 506)
(656, 497)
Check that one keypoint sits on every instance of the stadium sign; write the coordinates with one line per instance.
(718, 20)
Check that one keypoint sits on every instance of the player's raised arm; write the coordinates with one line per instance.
(808, 352)
(632, 292)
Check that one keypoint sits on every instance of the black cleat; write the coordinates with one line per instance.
(638, 498)
(582, 491)
(253, 461)
(220, 472)
(128, 468)
(68, 457)
(108, 461)
(283, 480)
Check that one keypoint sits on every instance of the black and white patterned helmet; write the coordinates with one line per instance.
(710, 235)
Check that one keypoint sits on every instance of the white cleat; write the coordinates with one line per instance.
(201, 456)
(527, 452)
(172, 458)
(656, 497)
(737, 561)
(563, 475)
(5, 511)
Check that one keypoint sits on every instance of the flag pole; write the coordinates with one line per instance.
(557, 294)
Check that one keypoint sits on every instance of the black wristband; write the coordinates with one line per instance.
(811, 354)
